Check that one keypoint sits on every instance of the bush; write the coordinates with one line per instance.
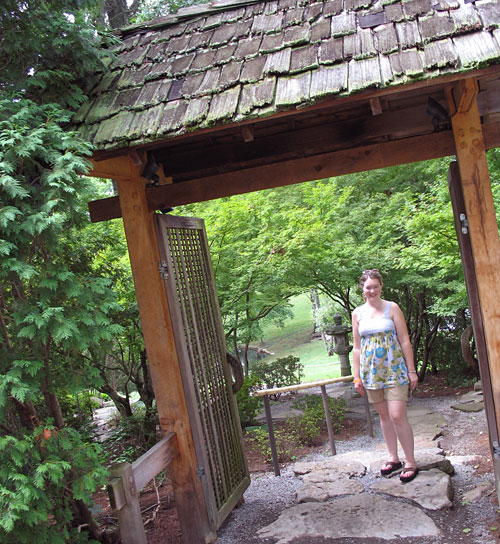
(285, 442)
(279, 373)
(248, 406)
(308, 427)
(133, 436)
(42, 475)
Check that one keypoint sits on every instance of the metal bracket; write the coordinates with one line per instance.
(464, 223)
(162, 267)
(200, 472)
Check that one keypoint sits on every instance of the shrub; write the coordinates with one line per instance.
(285, 442)
(133, 436)
(279, 373)
(42, 476)
(308, 427)
(248, 406)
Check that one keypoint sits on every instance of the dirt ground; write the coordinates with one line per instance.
(158, 506)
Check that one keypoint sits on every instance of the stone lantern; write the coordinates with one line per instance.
(342, 347)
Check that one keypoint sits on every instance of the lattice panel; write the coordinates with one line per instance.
(190, 278)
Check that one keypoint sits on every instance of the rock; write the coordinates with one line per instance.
(475, 494)
(431, 489)
(478, 386)
(337, 466)
(427, 426)
(322, 491)
(358, 516)
(473, 401)
(426, 460)
(472, 396)
(469, 406)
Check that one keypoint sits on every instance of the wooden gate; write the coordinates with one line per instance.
(200, 342)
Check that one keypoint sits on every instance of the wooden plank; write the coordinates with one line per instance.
(149, 465)
(162, 356)
(299, 386)
(121, 167)
(483, 227)
(332, 135)
(369, 157)
(458, 204)
(129, 515)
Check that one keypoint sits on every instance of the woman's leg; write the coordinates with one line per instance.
(399, 417)
(388, 429)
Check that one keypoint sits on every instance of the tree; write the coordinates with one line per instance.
(249, 263)
(51, 310)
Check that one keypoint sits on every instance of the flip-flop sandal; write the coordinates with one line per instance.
(391, 467)
(412, 474)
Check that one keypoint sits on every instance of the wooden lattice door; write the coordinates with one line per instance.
(201, 347)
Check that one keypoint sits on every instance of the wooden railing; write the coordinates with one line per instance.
(126, 481)
(322, 385)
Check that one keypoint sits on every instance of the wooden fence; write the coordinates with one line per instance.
(322, 385)
(127, 480)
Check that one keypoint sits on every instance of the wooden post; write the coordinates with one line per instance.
(481, 218)
(272, 440)
(124, 496)
(328, 417)
(161, 350)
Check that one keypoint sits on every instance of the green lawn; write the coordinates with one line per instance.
(294, 338)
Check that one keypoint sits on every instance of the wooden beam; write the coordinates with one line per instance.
(327, 134)
(162, 356)
(128, 166)
(432, 146)
(376, 106)
(481, 217)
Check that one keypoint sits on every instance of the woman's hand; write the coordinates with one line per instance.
(413, 377)
(358, 385)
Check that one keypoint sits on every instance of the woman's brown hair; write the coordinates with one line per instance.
(372, 273)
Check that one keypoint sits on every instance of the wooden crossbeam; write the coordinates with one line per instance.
(432, 146)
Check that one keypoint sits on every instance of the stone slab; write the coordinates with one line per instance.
(431, 489)
(358, 516)
(322, 491)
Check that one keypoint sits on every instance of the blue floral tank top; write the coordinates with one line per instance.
(382, 363)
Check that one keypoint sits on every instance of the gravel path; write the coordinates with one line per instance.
(465, 442)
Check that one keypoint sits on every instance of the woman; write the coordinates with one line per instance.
(384, 368)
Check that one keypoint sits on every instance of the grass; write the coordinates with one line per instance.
(294, 338)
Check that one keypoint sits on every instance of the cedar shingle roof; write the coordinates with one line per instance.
(235, 60)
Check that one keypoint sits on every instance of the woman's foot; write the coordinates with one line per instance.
(389, 467)
(408, 474)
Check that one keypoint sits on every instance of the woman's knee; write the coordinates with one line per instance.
(397, 412)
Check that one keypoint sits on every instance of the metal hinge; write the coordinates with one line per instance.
(162, 267)
(464, 223)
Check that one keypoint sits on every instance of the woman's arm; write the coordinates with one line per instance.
(356, 340)
(404, 341)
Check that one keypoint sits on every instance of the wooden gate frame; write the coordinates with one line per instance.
(137, 205)
(163, 360)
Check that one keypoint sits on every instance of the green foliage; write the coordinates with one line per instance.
(285, 443)
(308, 427)
(248, 406)
(150, 9)
(41, 475)
(53, 309)
(133, 436)
(279, 373)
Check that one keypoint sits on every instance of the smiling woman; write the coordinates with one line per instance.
(383, 369)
